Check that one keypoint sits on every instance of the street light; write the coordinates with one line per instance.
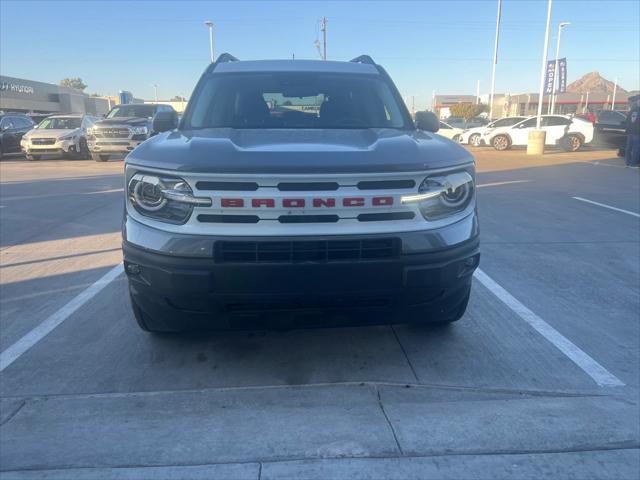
(535, 143)
(556, 78)
(209, 25)
(155, 91)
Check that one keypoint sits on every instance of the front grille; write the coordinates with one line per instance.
(43, 141)
(111, 132)
(314, 251)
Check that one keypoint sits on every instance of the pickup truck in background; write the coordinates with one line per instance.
(123, 129)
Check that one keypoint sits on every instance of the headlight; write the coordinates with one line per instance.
(67, 137)
(139, 130)
(440, 196)
(168, 199)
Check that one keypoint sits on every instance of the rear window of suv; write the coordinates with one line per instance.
(295, 100)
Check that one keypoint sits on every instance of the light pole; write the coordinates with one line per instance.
(209, 25)
(155, 91)
(556, 77)
(495, 60)
(535, 143)
(615, 88)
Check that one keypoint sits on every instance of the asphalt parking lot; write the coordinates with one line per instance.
(539, 379)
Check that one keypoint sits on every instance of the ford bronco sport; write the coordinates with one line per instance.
(298, 193)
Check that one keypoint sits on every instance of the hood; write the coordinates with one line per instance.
(123, 121)
(50, 132)
(298, 151)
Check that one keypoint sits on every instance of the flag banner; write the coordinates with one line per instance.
(550, 77)
(562, 72)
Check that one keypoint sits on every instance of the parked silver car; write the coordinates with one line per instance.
(60, 135)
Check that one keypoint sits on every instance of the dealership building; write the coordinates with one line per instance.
(28, 96)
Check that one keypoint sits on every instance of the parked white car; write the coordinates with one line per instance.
(477, 136)
(60, 135)
(448, 131)
(569, 132)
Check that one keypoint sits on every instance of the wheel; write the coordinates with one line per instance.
(84, 152)
(456, 138)
(501, 142)
(474, 140)
(98, 157)
(573, 143)
(33, 157)
(146, 323)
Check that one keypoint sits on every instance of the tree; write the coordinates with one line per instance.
(73, 82)
(467, 110)
(178, 98)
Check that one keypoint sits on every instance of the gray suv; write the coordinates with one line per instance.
(123, 129)
(298, 193)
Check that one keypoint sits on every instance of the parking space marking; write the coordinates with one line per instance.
(607, 206)
(591, 367)
(496, 184)
(12, 353)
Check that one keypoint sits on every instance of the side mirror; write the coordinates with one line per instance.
(427, 121)
(165, 121)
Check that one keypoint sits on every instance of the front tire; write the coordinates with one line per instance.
(98, 157)
(501, 143)
(84, 152)
(474, 140)
(456, 138)
(31, 158)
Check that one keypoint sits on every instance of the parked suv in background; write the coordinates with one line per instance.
(570, 133)
(12, 127)
(298, 193)
(610, 129)
(62, 135)
(476, 136)
(123, 129)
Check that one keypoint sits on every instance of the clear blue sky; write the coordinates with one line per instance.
(444, 46)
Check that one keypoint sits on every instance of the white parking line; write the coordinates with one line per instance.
(496, 184)
(12, 353)
(592, 368)
(607, 206)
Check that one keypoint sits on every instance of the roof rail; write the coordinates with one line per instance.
(223, 58)
(363, 59)
(226, 57)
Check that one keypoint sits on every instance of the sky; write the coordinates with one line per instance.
(442, 46)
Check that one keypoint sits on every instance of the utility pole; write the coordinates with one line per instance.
(413, 105)
(433, 100)
(323, 28)
(209, 25)
(615, 88)
(544, 65)
(478, 92)
(495, 60)
(556, 77)
(155, 91)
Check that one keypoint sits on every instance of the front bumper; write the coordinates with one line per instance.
(112, 145)
(427, 280)
(59, 148)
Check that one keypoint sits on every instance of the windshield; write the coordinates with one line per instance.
(295, 100)
(132, 110)
(60, 123)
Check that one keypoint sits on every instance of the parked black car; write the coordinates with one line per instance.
(609, 129)
(12, 127)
